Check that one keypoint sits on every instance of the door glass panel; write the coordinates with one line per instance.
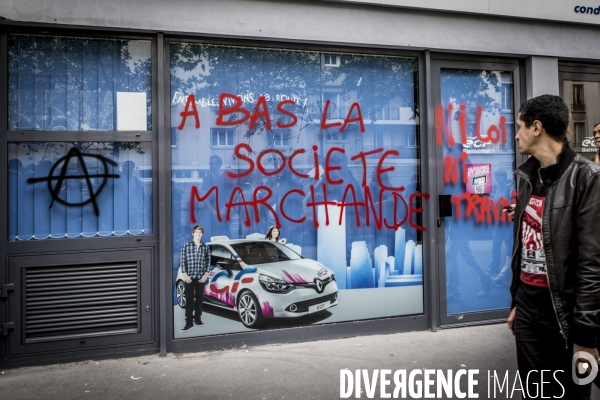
(474, 127)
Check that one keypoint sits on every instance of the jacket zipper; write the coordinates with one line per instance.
(562, 333)
(518, 219)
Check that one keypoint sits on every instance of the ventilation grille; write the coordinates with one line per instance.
(66, 302)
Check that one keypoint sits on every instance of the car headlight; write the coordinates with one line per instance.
(274, 285)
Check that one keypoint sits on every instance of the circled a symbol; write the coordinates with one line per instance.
(55, 182)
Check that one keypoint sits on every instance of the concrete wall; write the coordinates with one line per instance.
(541, 74)
(556, 10)
(328, 22)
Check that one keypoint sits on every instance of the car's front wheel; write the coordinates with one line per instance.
(249, 310)
(181, 294)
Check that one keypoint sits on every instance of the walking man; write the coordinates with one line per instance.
(555, 288)
(195, 262)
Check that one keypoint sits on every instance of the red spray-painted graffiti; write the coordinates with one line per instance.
(479, 207)
(403, 210)
(232, 113)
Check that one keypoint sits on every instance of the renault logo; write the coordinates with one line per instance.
(319, 284)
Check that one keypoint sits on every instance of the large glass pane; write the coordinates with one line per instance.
(267, 137)
(583, 100)
(69, 84)
(475, 127)
(79, 189)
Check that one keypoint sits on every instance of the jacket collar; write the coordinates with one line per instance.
(551, 173)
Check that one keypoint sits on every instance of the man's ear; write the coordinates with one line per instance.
(537, 127)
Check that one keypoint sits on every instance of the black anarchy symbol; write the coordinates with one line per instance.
(74, 152)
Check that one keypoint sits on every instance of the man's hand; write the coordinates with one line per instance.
(591, 350)
(187, 278)
(511, 318)
(203, 278)
(510, 211)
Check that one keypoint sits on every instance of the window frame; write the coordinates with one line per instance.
(578, 105)
(578, 137)
(216, 131)
(280, 137)
(327, 58)
(146, 136)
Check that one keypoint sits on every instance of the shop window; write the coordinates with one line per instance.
(578, 98)
(243, 161)
(58, 84)
(79, 189)
(222, 137)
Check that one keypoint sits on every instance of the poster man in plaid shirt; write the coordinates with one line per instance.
(195, 263)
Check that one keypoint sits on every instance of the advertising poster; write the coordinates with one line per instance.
(324, 148)
(479, 178)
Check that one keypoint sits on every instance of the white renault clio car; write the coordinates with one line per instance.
(262, 279)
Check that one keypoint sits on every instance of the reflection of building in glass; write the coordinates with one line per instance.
(411, 272)
(380, 254)
(361, 266)
(418, 267)
(331, 242)
(348, 278)
(399, 242)
(583, 100)
(409, 258)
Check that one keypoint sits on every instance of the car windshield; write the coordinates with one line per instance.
(263, 252)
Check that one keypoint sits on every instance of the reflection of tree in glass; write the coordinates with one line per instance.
(70, 84)
(471, 88)
(54, 150)
(208, 71)
(377, 81)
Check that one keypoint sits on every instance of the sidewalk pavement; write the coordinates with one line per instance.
(308, 370)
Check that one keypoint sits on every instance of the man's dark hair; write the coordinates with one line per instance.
(596, 124)
(551, 111)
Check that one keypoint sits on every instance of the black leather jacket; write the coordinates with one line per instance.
(571, 237)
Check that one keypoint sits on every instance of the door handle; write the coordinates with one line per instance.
(445, 205)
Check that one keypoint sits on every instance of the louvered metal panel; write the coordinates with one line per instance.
(73, 301)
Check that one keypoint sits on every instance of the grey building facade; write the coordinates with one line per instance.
(377, 136)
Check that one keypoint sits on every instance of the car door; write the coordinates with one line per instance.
(219, 289)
